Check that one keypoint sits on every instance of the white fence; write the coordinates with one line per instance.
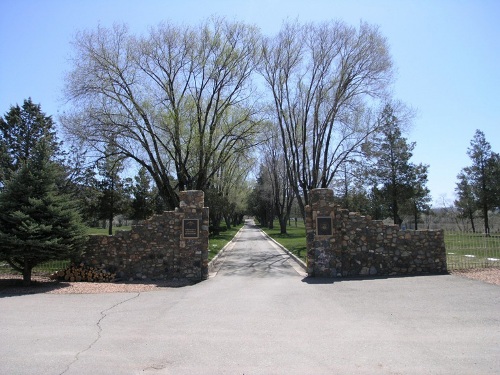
(472, 250)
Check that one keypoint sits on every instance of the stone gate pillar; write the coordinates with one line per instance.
(322, 257)
(346, 244)
(193, 244)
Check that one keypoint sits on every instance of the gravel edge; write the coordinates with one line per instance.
(488, 275)
(12, 284)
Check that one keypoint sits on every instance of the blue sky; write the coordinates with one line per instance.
(447, 55)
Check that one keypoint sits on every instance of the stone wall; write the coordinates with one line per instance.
(355, 245)
(160, 248)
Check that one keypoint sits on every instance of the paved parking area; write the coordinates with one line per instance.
(259, 315)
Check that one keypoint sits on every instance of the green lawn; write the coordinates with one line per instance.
(464, 250)
(469, 250)
(104, 231)
(217, 242)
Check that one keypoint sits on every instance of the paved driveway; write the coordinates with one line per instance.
(259, 315)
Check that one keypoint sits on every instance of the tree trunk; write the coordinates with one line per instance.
(282, 225)
(110, 225)
(471, 218)
(486, 222)
(27, 273)
(228, 221)
(395, 216)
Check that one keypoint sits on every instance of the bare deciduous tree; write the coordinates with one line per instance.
(179, 101)
(282, 193)
(322, 78)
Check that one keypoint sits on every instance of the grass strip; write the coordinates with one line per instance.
(464, 250)
(294, 240)
(104, 231)
(217, 242)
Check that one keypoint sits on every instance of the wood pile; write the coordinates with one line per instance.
(84, 273)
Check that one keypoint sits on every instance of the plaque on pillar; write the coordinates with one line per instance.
(190, 228)
(324, 226)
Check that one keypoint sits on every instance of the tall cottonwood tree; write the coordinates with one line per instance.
(322, 78)
(179, 101)
(282, 193)
(226, 195)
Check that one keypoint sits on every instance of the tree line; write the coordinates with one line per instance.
(191, 103)
(205, 107)
(376, 179)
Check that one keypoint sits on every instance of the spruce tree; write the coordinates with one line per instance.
(37, 222)
(20, 131)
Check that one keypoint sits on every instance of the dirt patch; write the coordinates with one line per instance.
(488, 275)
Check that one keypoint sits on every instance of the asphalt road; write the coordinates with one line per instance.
(259, 314)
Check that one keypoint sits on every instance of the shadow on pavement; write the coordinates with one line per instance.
(326, 280)
(12, 285)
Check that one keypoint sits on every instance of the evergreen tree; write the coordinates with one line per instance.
(465, 203)
(377, 207)
(400, 183)
(37, 223)
(483, 177)
(260, 200)
(21, 129)
(217, 203)
(143, 201)
(349, 189)
(420, 199)
(112, 198)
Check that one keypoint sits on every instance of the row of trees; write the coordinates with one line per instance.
(378, 179)
(187, 107)
(189, 104)
(48, 195)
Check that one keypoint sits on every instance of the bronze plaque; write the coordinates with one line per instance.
(324, 226)
(190, 228)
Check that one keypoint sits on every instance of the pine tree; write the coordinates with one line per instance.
(482, 177)
(400, 183)
(111, 186)
(465, 203)
(37, 223)
(143, 203)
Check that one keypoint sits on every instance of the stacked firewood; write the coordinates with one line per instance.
(82, 272)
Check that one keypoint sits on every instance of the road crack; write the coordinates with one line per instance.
(104, 314)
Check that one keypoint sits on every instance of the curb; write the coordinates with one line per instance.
(213, 263)
(293, 256)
